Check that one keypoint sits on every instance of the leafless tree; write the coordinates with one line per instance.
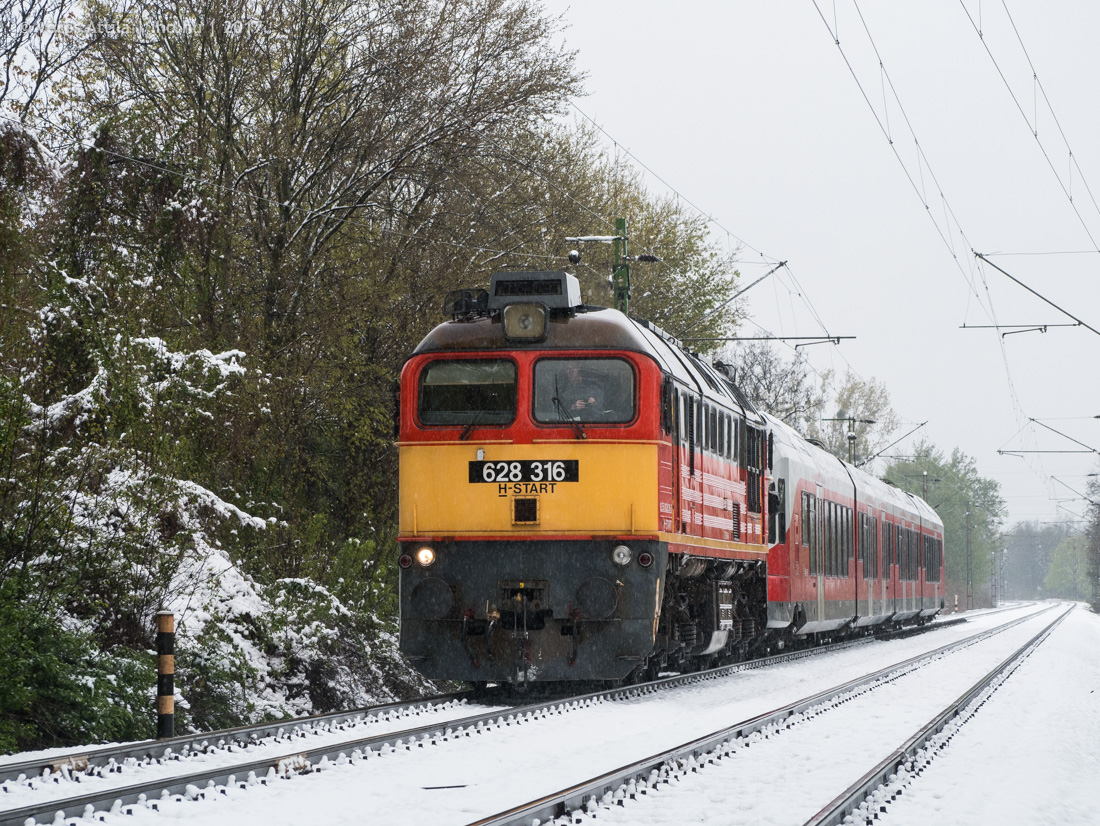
(38, 39)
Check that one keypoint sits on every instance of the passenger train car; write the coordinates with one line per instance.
(849, 551)
(581, 498)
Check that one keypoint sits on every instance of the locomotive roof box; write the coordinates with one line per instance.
(557, 290)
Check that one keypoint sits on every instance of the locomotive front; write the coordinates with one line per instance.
(530, 450)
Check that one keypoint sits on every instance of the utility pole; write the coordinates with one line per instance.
(852, 421)
(993, 578)
(969, 563)
(620, 273)
(620, 266)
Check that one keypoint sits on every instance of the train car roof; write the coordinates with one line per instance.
(594, 328)
(869, 485)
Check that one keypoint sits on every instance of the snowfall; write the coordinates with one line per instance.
(1030, 755)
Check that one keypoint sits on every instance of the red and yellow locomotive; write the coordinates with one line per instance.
(584, 499)
(580, 497)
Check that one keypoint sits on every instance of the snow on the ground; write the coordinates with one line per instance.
(35, 790)
(1032, 754)
(790, 777)
(459, 781)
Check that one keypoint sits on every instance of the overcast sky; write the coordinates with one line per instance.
(749, 111)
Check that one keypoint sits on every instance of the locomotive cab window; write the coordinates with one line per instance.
(461, 391)
(584, 390)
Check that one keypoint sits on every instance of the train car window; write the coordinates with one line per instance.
(730, 431)
(674, 413)
(838, 538)
(465, 391)
(888, 549)
(700, 435)
(834, 540)
(864, 544)
(874, 547)
(773, 512)
(846, 563)
(833, 537)
(782, 489)
(722, 434)
(807, 521)
(583, 390)
(666, 405)
(809, 531)
(714, 429)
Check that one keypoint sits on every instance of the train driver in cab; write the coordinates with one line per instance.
(582, 393)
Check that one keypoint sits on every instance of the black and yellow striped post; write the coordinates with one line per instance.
(166, 674)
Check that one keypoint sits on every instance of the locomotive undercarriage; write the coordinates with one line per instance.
(523, 612)
(714, 612)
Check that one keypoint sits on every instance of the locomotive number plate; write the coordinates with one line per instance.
(526, 470)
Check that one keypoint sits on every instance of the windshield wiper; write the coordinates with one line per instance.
(564, 416)
(469, 428)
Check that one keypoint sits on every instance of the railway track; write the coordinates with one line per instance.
(240, 768)
(598, 797)
(873, 793)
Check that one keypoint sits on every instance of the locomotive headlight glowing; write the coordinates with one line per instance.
(621, 555)
(526, 322)
(425, 556)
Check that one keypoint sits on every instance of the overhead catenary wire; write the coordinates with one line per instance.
(1033, 127)
(893, 146)
(1037, 294)
(990, 310)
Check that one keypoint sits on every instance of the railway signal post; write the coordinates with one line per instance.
(166, 674)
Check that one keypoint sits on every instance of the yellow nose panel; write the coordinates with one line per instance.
(581, 487)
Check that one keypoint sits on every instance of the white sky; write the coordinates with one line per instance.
(750, 112)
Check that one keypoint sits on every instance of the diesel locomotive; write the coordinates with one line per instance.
(582, 498)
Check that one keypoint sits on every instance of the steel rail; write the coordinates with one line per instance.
(202, 783)
(82, 760)
(641, 775)
(853, 798)
(174, 747)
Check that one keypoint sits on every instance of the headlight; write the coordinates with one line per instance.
(425, 556)
(621, 555)
(525, 321)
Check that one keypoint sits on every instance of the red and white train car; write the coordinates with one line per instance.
(848, 550)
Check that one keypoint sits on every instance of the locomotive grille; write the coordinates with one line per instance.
(736, 521)
(525, 511)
